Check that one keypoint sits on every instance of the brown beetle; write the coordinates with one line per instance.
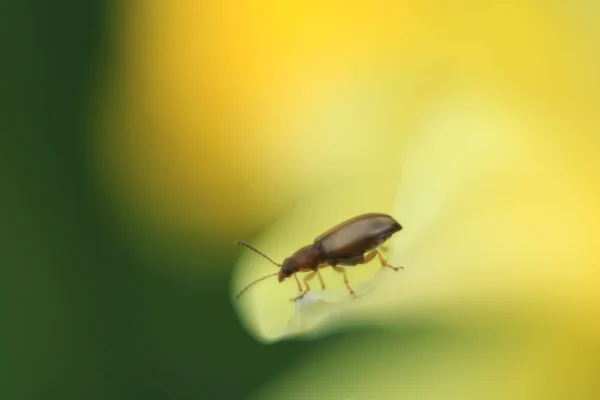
(345, 244)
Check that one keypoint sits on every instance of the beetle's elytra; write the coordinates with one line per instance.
(343, 245)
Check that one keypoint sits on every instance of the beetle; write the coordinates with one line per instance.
(343, 245)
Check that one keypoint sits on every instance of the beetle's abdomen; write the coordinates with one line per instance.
(356, 236)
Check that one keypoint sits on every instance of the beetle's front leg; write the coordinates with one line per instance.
(298, 283)
(306, 279)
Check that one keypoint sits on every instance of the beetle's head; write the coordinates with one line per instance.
(305, 259)
(287, 269)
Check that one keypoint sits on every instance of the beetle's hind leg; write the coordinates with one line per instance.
(346, 281)
(384, 263)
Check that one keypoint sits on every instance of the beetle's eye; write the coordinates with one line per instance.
(287, 267)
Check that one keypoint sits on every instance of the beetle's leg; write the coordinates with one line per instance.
(384, 263)
(298, 282)
(306, 279)
(369, 257)
(320, 277)
(299, 287)
(321, 280)
(346, 281)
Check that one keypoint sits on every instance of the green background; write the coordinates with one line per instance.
(84, 317)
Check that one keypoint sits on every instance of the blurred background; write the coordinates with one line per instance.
(140, 140)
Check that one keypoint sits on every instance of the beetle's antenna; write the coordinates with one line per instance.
(237, 296)
(258, 252)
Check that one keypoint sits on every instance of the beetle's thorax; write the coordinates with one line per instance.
(305, 259)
